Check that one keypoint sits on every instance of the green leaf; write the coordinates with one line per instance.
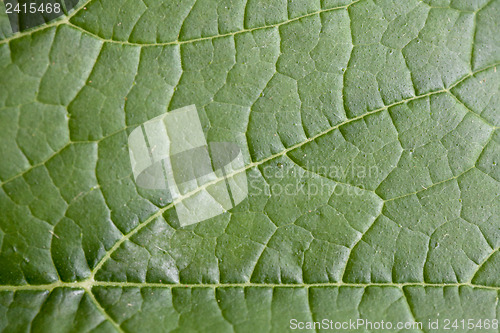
(382, 116)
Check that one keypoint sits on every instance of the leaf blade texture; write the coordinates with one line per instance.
(390, 109)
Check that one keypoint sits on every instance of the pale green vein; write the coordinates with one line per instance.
(481, 264)
(104, 313)
(179, 42)
(66, 20)
(85, 285)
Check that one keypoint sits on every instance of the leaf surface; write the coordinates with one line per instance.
(389, 109)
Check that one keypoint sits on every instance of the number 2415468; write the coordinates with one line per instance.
(470, 324)
(33, 8)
